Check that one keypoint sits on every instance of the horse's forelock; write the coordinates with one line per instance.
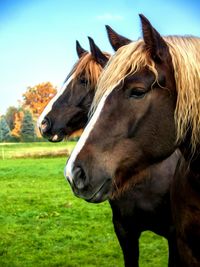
(89, 67)
(127, 60)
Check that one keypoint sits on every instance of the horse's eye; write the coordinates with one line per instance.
(83, 81)
(136, 93)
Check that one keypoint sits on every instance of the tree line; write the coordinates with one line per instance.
(19, 123)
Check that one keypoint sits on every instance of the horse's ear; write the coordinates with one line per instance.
(115, 39)
(79, 49)
(97, 53)
(155, 44)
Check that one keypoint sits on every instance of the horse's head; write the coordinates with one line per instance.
(68, 110)
(132, 125)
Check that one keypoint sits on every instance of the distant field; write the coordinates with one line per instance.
(37, 149)
(42, 224)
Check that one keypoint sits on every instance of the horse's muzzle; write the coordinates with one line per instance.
(82, 188)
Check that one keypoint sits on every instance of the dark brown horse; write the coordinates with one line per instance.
(147, 104)
(68, 110)
(145, 204)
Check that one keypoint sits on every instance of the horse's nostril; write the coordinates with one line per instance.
(80, 180)
(45, 125)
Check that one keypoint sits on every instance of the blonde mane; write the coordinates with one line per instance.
(90, 69)
(185, 53)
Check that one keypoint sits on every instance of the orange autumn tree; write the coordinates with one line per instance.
(18, 117)
(36, 98)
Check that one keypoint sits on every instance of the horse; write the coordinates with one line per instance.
(143, 206)
(146, 105)
(68, 109)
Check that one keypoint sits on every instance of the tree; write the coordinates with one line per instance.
(10, 117)
(16, 132)
(36, 98)
(28, 127)
(4, 130)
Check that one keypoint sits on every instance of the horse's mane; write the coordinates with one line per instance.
(185, 53)
(89, 68)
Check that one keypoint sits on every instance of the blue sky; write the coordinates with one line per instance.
(38, 36)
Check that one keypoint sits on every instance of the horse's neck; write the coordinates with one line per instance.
(192, 160)
(195, 164)
(185, 199)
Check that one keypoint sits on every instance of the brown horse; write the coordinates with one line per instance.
(147, 104)
(143, 206)
(68, 110)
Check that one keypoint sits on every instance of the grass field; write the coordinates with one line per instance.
(45, 149)
(42, 224)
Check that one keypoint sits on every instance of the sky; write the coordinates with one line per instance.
(37, 37)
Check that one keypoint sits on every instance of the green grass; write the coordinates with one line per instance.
(42, 224)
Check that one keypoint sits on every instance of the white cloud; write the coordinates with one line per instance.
(109, 16)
